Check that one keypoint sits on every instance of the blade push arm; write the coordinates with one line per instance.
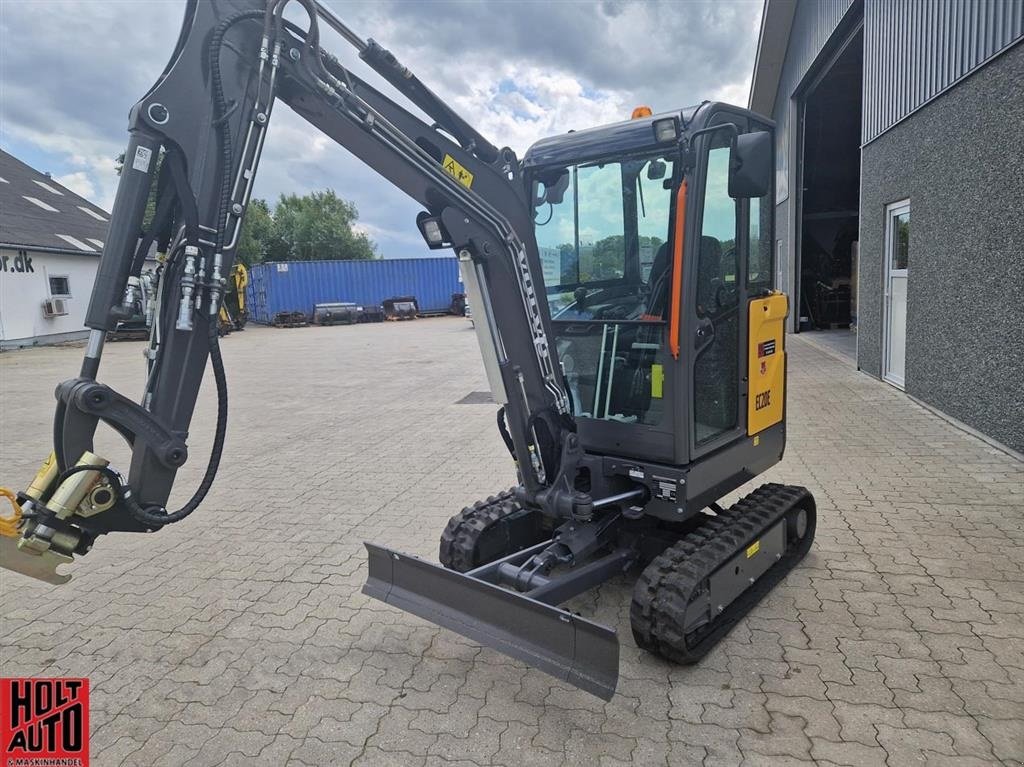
(197, 136)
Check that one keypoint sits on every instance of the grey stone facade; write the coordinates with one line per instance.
(960, 161)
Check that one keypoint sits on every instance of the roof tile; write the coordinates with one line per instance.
(77, 243)
(29, 222)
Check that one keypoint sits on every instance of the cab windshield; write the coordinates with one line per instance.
(602, 230)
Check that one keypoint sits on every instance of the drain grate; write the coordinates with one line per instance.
(477, 398)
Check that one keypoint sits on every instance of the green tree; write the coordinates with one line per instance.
(606, 259)
(311, 227)
(318, 226)
(256, 241)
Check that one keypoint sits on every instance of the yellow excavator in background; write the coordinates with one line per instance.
(233, 312)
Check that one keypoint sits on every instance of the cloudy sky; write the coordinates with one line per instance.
(69, 72)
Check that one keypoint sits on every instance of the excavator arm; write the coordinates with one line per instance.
(196, 137)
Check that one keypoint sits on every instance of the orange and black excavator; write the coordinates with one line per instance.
(621, 284)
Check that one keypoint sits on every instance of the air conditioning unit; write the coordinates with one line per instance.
(55, 307)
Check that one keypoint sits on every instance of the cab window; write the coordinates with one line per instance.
(602, 232)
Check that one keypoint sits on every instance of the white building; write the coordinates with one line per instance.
(50, 243)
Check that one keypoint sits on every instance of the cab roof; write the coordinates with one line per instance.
(618, 139)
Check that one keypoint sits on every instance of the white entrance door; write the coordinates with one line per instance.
(897, 251)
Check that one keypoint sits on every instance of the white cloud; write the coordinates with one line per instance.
(79, 183)
(517, 71)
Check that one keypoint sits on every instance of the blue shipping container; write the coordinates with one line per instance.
(295, 286)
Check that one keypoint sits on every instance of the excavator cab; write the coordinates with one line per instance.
(654, 261)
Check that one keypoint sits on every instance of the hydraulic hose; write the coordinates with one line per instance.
(154, 515)
(157, 516)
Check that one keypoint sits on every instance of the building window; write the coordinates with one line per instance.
(60, 287)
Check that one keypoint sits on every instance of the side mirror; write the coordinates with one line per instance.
(656, 170)
(555, 185)
(750, 165)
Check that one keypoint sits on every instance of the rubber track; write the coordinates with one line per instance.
(680, 574)
(460, 535)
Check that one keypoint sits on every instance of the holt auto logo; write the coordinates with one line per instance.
(44, 722)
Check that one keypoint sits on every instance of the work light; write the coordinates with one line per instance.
(431, 230)
(666, 130)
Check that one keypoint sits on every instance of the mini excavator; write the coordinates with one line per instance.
(233, 313)
(621, 279)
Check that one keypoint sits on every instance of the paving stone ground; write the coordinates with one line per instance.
(240, 637)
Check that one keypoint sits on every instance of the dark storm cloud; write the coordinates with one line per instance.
(70, 71)
(661, 51)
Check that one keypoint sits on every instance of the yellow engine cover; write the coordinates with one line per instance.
(766, 362)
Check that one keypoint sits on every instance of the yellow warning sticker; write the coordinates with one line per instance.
(753, 548)
(657, 381)
(757, 440)
(456, 171)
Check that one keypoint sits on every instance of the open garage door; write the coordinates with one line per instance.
(825, 293)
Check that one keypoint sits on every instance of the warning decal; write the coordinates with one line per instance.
(456, 171)
(766, 348)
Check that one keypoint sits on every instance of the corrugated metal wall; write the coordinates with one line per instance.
(296, 286)
(915, 49)
(813, 24)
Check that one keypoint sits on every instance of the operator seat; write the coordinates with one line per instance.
(709, 278)
(709, 274)
(716, 367)
(658, 284)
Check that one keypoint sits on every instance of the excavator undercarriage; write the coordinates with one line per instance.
(503, 576)
(621, 284)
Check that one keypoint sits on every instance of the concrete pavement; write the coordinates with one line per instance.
(240, 637)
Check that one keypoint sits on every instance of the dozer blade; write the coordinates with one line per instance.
(570, 648)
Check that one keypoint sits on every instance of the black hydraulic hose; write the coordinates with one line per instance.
(179, 176)
(154, 515)
(220, 109)
(162, 218)
(166, 316)
(121, 490)
(503, 431)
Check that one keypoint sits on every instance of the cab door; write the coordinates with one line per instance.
(716, 299)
